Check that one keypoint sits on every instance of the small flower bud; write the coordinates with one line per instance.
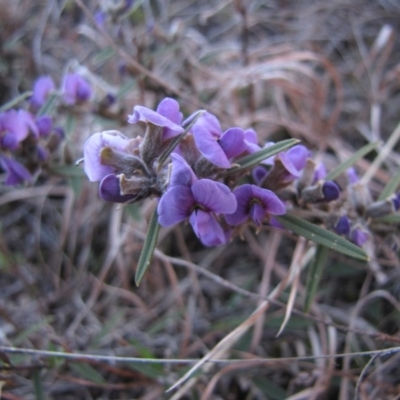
(109, 190)
(322, 191)
(359, 196)
(358, 236)
(342, 226)
(381, 208)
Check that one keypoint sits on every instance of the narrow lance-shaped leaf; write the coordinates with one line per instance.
(48, 107)
(322, 236)
(175, 141)
(390, 187)
(314, 275)
(255, 158)
(351, 161)
(148, 248)
(13, 102)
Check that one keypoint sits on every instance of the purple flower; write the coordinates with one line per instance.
(15, 127)
(167, 116)
(207, 132)
(218, 147)
(16, 172)
(255, 203)
(294, 160)
(198, 200)
(94, 169)
(42, 87)
(75, 89)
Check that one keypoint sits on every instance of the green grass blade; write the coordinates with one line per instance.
(38, 385)
(88, 372)
(322, 236)
(351, 161)
(255, 158)
(390, 188)
(314, 275)
(13, 102)
(148, 248)
(48, 107)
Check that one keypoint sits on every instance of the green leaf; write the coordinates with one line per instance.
(175, 141)
(104, 55)
(70, 171)
(48, 107)
(88, 372)
(322, 236)
(351, 161)
(390, 188)
(390, 219)
(148, 248)
(126, 89)
(38, 385)
(255, 158)
(13, 102)
(314, 275)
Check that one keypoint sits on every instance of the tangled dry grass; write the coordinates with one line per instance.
(325, 73)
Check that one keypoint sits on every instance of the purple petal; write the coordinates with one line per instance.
(209, 123)
(320, 173)
(289, 166)
(298, 156)
(249, 200)
(44, 125)
(16, 172)
(91, 153)
(258, 174)
(181, 173)
(251, 141)
(42, 87)
(17, 123)
(352, 175)
(75, 88)
(109, 190)
(169, 108)
(232, 142)
(175, 205)
(243, 196)
(145, 114)
(359, 237)
(214, 196)
(209, 147)
(272, 203)
(207, 228)
(257, 213)
(9, 141)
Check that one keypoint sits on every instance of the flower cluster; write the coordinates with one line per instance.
(27, 137)
(360, 212)
(190, 165)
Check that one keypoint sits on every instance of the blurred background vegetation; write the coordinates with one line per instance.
(327, 73)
